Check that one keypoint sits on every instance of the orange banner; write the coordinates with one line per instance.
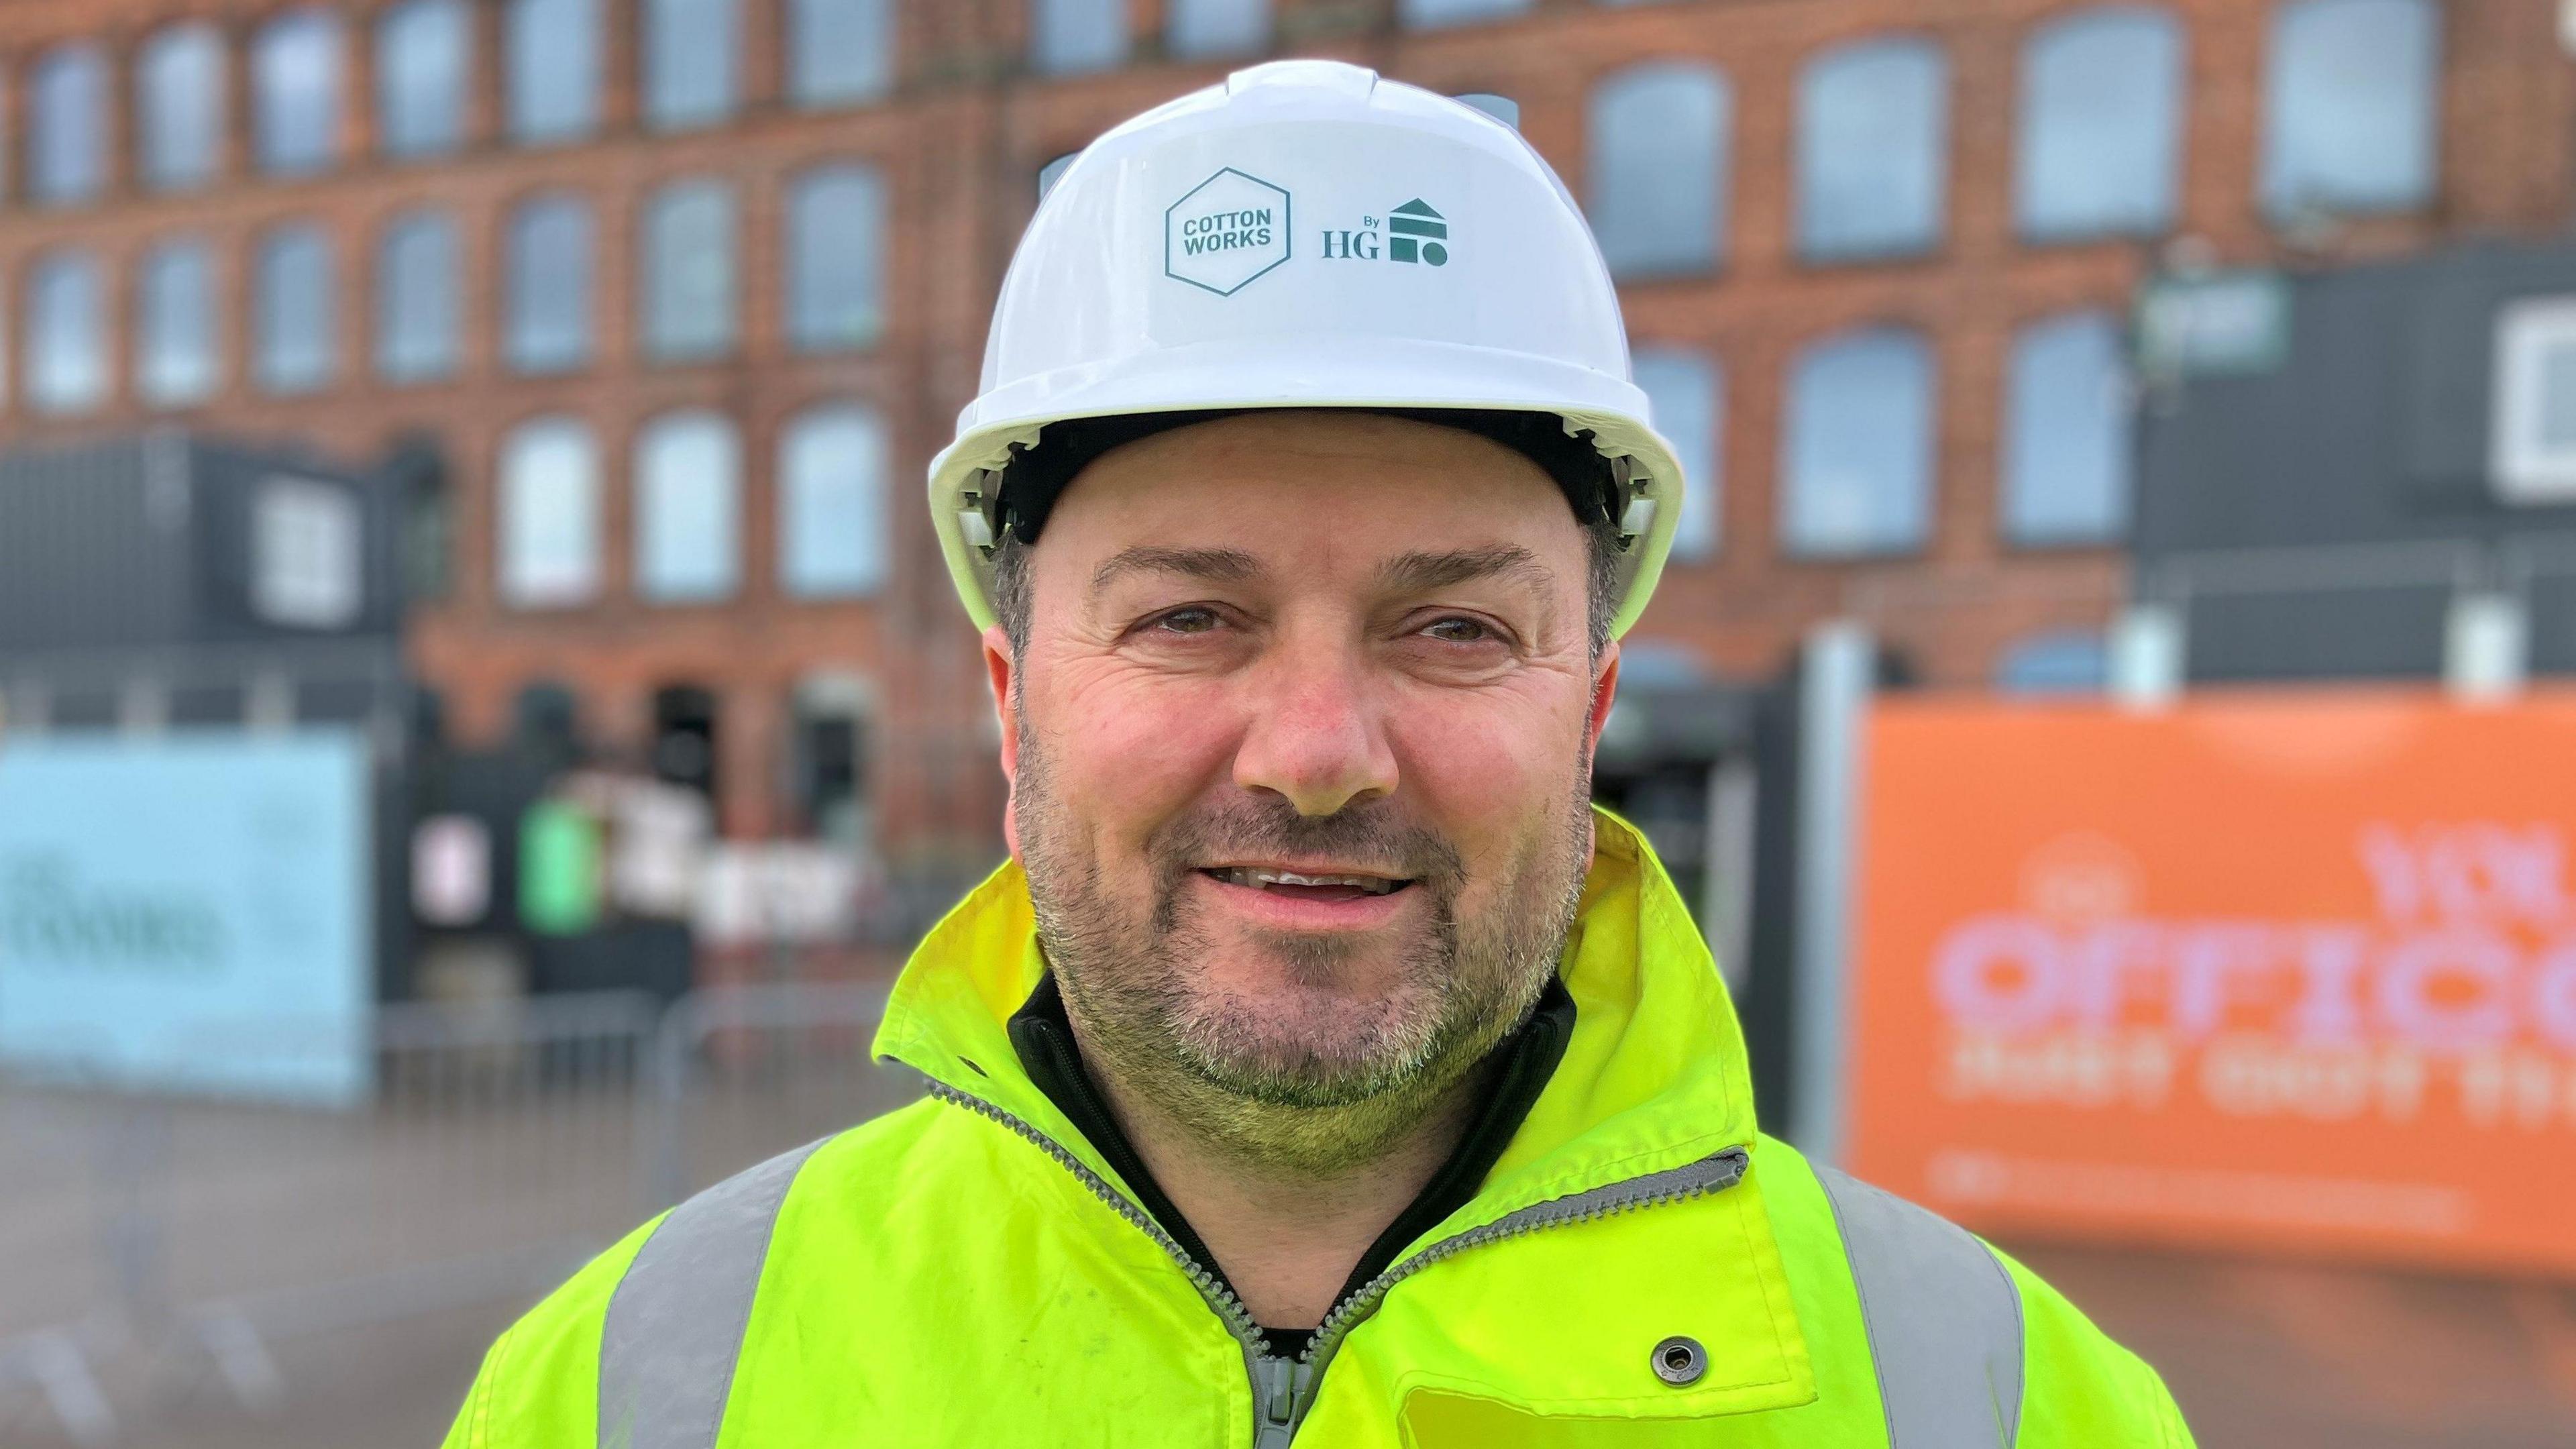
(2282, 971)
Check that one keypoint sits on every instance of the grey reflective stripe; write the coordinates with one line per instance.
(1944, 1320)
(675, 1323)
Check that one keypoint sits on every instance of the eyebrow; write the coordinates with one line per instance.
(1416, 573)
(1221, 565)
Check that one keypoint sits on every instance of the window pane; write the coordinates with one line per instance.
(549, 285)
(67, 124)
(688, 271)
(296, 74)
(2349, 106)
(553, 68)
(1194, 28)
(1686, 405)
(840, 50)
(2070, 661)
(1658, 169)
(66, 334)
(835, 259)
(424, 58)
(689, 61)
(1856, 453)
(831, 514)
(549, 534)
(306, 567)
(688, 510)
(179, 106)
(416, 299)
(2066, 455)
(1066, 36)
(177, 359)
(295, 349)
(1872, 135)
(2101, 121)
(1431, 14)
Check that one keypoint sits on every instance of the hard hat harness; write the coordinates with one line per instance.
(1038, 474)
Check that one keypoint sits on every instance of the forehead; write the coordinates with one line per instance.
(1313, 492)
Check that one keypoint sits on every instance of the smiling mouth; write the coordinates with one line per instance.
(1306, 885)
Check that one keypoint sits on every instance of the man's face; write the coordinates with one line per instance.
(1300, 747)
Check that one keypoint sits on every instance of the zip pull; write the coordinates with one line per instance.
(1282, 1392)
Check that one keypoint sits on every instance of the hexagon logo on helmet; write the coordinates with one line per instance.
(1228, 230)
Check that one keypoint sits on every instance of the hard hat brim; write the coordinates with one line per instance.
(1306, 373)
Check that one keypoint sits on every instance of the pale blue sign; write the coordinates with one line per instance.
(188, 911)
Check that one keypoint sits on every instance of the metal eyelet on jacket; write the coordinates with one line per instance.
(1680, 1361)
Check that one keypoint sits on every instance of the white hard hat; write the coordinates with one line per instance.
(1307, 235)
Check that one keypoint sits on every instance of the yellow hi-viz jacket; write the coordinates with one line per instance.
(1640, 1269)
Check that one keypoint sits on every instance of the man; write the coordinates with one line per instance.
(1321, 1068)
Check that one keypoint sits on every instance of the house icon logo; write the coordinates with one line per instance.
(1413, 233)
(1416, 233)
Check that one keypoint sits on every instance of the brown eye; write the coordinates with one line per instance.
(1459, 631)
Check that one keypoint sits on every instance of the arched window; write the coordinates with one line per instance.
(836, 258)
(553, 68)
(424, 61)
(828, 757)
(2349, 106)
(179, 106)
(295, 79)
(688, 272)
(1873, 138)
(2101, 125)
(688, 508)
(1856, 453)
(1067, 37)
(66, 338)
(1195, 29)
(2064, 661)
(176, 359)
(1436, 14)
(548, 538)
(832, 503)
(1657, 168)
(841, 51)
(416, 298)
(1687, 405)
(2067, 441)
(67, 124)
(548, 305)
(692, 58)
(295, 342)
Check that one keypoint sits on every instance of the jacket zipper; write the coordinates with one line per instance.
(1283, 1389)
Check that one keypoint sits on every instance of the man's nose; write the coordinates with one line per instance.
(1315, 737)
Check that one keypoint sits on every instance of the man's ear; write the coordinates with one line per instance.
(1605, 691)
(999, 667)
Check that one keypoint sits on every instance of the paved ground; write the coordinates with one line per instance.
(2317, 1357)
(2260, 1354)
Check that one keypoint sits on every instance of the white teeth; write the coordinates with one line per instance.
(1262, 879)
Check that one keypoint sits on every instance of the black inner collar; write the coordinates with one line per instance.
(1043, 1036)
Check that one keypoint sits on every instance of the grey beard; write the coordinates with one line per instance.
(1336, 1088)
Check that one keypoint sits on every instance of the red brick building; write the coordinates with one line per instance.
(677, 287)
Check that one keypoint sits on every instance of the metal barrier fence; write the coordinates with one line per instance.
(153, 1239)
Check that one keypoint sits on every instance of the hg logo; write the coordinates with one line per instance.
(1414, 233)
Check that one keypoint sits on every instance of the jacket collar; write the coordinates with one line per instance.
(1654, 1077)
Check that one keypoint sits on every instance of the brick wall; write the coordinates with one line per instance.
(960, 141)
